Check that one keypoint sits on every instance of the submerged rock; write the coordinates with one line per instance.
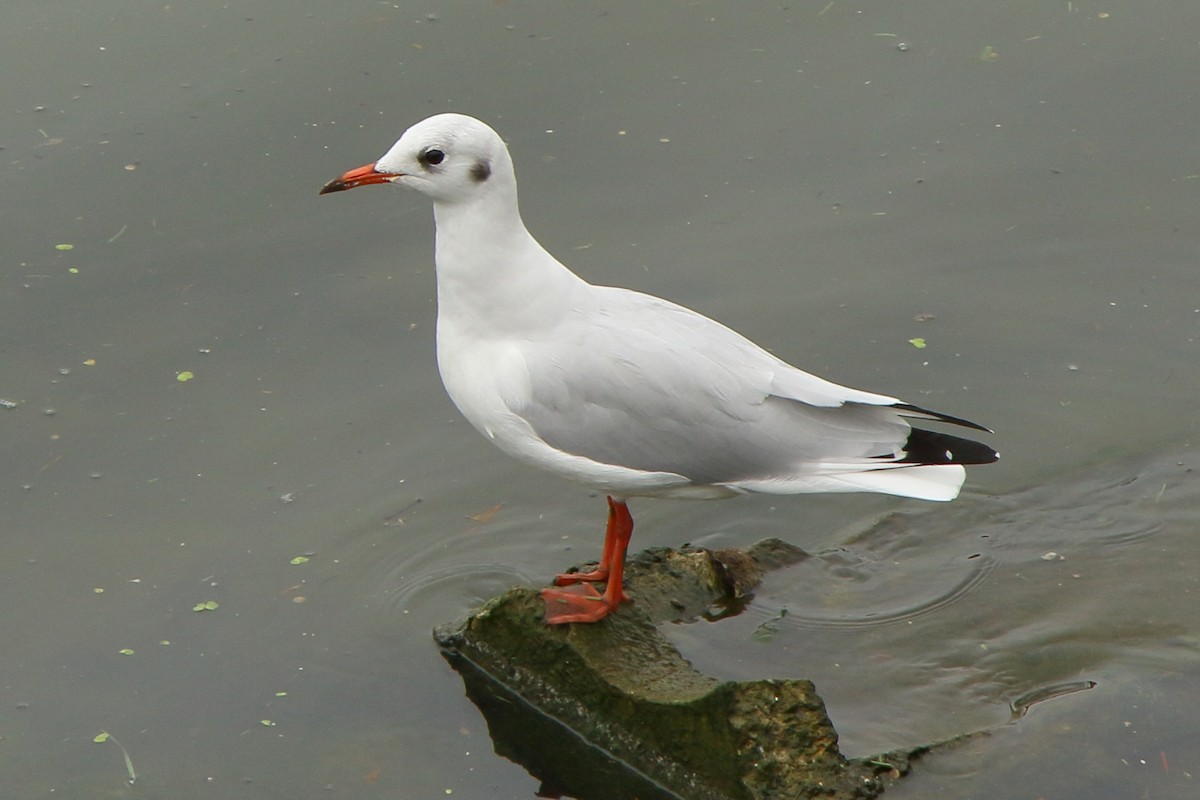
(612, 710)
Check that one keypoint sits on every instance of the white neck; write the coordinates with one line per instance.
(492, 275)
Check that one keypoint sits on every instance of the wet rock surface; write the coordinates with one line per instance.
(612, 710)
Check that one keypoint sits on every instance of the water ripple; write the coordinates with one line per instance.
(895, 596)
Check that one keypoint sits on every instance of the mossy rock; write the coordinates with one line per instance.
(612, 709)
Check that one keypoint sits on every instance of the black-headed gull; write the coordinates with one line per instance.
(624, 392)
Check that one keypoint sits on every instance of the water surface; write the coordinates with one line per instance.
(1013, 184)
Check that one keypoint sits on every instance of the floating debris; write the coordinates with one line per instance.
(1020, 706)
(105, 736)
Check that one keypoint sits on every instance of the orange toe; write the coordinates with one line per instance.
(577, 603)
(598, 575)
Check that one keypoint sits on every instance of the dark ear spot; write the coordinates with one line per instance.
(481, 171)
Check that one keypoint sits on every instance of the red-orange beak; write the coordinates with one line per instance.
(363, 176)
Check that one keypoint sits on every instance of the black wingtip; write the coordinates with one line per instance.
(909, 410)
(934, 447)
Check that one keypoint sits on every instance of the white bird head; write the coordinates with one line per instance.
(450, 158)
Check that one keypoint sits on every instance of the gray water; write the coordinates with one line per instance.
(1015, 183)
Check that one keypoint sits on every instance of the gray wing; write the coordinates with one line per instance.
(644, 383)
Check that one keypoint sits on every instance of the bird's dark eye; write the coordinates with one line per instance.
(432, 156)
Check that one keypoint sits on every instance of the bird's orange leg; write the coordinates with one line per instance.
(600, 573)
(581, 602)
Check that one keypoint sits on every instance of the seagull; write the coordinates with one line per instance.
(624, 392)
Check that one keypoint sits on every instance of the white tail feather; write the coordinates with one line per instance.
(940, 482)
